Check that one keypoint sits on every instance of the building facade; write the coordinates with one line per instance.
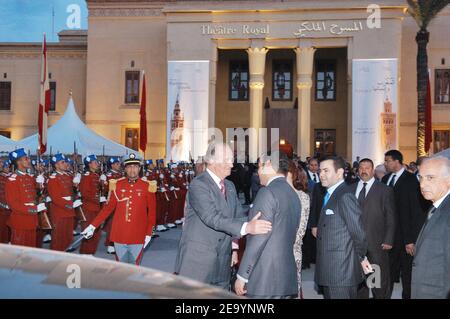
(285, 64)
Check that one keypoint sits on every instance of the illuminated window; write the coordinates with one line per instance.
(238, 88)
(282, 81)
(325, 81)
(132, 87)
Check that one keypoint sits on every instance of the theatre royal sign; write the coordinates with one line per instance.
(303, 29)
(245, 29)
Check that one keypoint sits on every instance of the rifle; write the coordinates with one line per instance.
(79, 213)
(43, 220)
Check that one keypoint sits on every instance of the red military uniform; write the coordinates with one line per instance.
(182, 191)
(42, 191)
(61, 210)
(111, 175)
(162, 201)
(134, 206)
(21, 197)
(90, 193)
(5, 212)
(174, 199)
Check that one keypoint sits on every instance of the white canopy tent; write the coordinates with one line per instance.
(70, 131)
(7, 145)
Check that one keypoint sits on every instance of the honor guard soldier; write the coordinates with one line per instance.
(60, 190)
(41, 174)
(5, 212)
(91, 189)
(21, 197)
(162, 202)
(134, 204)
(113, 174)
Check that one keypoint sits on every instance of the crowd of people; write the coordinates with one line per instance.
(364, 226)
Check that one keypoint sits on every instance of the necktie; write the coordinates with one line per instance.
(392, 183)
(362, 195)
(314, 178)
(326, 198)
(431, 211)
(222, 188)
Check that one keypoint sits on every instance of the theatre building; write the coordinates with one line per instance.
(314, 69)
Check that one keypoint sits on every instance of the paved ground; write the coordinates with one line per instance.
(162, 251)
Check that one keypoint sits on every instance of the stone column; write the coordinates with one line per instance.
(257, 65)
(305, 59)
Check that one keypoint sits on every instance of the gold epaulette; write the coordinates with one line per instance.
(113, 183)
(152, 186)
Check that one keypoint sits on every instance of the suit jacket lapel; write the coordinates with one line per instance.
(371, 191)
(400, 179)
(332, 201)
(432, 220)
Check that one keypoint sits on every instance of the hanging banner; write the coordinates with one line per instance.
(187, 110)
(374, 108)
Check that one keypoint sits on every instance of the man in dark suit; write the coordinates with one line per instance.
(378, 216)
(317, 192)
(213, 217)
(410, 216)
(313, 171)
(431, 264)
(341, 242)
(268, 268)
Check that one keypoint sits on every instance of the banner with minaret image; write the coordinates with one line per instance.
(374, 108)
(187, 109)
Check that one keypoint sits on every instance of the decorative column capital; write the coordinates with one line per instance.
(304, 82)
(256, 84)
(305, 60)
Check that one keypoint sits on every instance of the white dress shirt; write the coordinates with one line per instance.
(439, 202)
(397, 176)
(311, 175)
(361, 185)
(333, 188)
(216, 178)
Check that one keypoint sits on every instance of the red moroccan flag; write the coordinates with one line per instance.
(44, 100)
(143, 122)
(428, 123)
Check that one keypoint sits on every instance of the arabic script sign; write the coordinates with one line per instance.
(324, 26)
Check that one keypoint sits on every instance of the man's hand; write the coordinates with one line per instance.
(103, 178)
(147, 241)
(234, 258)
(410, 249)
(367, 267)
(314, 232)
(239, 287)
(258, 227)
(386, 246)
(88, 232)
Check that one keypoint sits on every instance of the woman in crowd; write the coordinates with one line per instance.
(297, 178)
